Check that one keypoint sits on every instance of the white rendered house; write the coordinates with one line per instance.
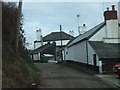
(98, 47)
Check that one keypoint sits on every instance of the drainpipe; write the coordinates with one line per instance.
(87, 51)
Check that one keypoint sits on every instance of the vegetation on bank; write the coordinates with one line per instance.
(18, 71)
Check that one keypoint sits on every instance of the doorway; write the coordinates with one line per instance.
(94, 60)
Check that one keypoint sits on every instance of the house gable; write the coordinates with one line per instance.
(87, 34)
(100, 35)
(77, 52)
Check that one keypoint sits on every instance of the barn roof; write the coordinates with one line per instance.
(54, 36)
(87, 34)
(45, 49)
(106, 50)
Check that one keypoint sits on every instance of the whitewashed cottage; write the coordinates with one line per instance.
(52, 44)
(98, 48)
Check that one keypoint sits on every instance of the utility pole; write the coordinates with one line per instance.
(61, 42)
(61, 34)
(18, 25)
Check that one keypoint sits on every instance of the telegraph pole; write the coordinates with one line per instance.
(61, 41)
(61, 34)
(18, 25)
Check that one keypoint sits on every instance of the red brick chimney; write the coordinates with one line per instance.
(110, 14)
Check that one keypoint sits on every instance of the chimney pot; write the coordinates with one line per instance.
(113, 7)
(107, 8)
(84, 25)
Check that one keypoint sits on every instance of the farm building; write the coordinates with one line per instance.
(52, 44)
(99, 47)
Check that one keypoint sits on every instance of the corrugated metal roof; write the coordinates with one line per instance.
(87, 34)
(54, 36)
(106, 50)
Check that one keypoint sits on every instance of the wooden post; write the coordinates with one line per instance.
(61, 43)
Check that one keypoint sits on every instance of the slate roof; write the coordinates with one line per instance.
(54, 36)
(106, 51)
(45, 49)
(87, 34)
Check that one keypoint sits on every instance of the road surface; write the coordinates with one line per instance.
(60, 76)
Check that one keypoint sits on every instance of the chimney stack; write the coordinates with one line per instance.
(38, 34)
(111, 20)
(83, 29)
(110, 14)
(71, 32)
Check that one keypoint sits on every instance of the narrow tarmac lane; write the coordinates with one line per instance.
(60, 76)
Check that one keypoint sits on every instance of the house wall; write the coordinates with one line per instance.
(114, 40)
(99, 35)
(64, 42)
(66, 53)
(113, 32)
(108, 34)
(119, 31)
(63, 53)
(112, 28)
(35, 57)
(77, 52)
(58, 43)
(119, 11)
(90, 56)
(37, 44)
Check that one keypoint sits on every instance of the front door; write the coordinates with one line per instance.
(94, 59)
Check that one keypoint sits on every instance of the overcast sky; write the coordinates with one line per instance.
(49, 15)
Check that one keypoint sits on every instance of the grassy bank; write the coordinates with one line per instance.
(18, 70)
